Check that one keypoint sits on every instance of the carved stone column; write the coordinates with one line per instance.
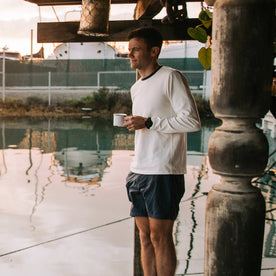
(238, 151)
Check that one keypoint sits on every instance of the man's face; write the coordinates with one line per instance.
(139, 54)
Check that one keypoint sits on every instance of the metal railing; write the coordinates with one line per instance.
(77, 82)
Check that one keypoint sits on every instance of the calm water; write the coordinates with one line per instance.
(63, 205)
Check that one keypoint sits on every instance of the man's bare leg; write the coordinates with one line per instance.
(147, 250)
(162, 240)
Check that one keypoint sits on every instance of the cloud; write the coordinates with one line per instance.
(16, 34)
(19, 28)
(17, 9)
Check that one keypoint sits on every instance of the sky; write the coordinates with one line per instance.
(19, 17)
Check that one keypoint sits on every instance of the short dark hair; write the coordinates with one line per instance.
(152, 37)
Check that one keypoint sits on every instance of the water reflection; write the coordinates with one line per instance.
(267, 183)
(81, 149)
(79, 155)
(201, 172)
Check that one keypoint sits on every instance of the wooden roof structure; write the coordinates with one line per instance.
(144, 12)
(78, 2)
(73, 2)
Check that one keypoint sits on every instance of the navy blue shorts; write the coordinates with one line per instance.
(155, 196)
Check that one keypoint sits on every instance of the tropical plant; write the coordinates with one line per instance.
(203, 33)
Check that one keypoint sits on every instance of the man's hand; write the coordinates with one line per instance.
(134, 122)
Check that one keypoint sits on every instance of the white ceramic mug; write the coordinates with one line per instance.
(118, 119)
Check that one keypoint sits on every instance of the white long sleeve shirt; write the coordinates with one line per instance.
(165, 96)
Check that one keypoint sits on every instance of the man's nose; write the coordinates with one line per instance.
(130, 53)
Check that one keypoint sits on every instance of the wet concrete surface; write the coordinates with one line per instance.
(54, 227)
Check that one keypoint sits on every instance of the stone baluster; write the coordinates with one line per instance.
(238, 150)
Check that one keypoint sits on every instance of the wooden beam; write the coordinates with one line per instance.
(67, 31)
(78, 2)
(73, 2)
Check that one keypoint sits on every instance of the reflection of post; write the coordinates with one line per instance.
(267, 184)
(49, 135)
(30, 151)
(3, 135)
(66, 156)
(238, 151)
(193, 217)
(36, 195)
(270, 244)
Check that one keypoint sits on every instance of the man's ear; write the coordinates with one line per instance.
(155, 51)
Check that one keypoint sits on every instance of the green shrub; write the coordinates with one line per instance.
(105, 100)
(100, 100)
(203, 107)
(120, 102)
(71, 103)
(87, 98)
(33, 100)
(13, 103)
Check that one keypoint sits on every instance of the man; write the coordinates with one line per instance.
(163, 112)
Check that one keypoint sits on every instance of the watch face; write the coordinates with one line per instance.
(148, 123)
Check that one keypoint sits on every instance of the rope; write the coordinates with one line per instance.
(53, 8)
(39, 13)
(64, 237)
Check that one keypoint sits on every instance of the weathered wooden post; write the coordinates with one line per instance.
(238, 151)
(137, 263)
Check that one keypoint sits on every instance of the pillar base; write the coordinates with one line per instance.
(234, 232)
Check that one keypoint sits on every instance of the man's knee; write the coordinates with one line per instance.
(145, 239)
(160, 239)
(161, 232)
(144, 231)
